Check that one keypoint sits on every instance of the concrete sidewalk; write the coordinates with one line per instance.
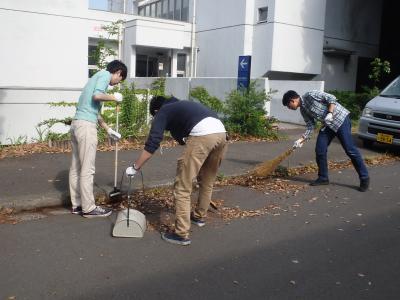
(41, 180)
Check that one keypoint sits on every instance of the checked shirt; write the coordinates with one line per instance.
(314, 107)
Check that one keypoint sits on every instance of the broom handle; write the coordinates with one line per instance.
(116, 149)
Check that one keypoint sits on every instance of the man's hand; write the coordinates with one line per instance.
(298, 143)
(113, 134)
(130, 171)
(118, 97)
(328, 118)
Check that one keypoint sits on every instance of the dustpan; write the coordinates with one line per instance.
(130, 222)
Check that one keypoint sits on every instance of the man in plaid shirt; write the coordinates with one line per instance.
(323, 107)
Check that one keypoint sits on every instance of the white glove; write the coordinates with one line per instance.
(130, 171)
(113, 134)
(118, 97)
(298, 143)
(328, 118)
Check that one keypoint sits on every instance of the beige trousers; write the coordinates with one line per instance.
(81, 173)
(202, 157)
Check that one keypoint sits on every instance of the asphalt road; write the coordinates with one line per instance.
(329, 242)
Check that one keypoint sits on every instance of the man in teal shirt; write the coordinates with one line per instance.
(84, 138)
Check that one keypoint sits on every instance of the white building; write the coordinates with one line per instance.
(45, 45)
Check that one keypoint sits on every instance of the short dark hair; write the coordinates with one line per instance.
(155, 104)
(289, 95)
(117, 65)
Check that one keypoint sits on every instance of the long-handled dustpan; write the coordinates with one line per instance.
(115, 194)
(130, 222)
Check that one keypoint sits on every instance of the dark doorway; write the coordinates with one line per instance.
(363, 70)
(389, 38)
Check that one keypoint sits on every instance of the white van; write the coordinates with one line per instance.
(380, 120)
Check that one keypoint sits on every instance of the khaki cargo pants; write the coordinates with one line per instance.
(201, 158)
(81, 173)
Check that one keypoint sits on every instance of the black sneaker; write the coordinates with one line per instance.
(98, 212)
(76, 210)
(173, 238)
(320, 182)
(197, 221)
(364, 185)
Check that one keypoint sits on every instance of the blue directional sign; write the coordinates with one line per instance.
(244, 68)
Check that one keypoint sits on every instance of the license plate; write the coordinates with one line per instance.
(384, 138)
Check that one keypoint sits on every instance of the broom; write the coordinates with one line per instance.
(266, 168)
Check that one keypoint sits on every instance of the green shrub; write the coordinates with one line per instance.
(158, 87)
(133, 114)
(354, 102)
(200, 94)
(245, 112)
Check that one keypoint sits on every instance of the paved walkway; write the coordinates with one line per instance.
(41, 180)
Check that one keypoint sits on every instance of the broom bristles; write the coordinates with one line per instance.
(266, 168)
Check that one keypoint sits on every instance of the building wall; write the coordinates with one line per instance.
(290, 41)
(220, 39)
(354, 26)
(298, 35)
(43, 57)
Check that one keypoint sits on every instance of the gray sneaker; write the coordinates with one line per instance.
(98, 212)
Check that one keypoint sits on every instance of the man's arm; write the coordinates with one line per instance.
(331, 107)
(144, 156)
(104, 97)
(102, 124)
(310, 125)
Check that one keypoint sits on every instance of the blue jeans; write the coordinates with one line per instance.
(344, 135)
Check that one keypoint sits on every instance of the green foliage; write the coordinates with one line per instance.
(20, 140)
(354, 102)
(43, 129)
(201, 94)
(245, 112)
(133, 115)
(101, 53)
(103, 49)
(158, 87)
(62, 104)
(54, 136)
(378, 69)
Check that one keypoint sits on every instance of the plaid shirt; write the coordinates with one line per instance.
(314, 106)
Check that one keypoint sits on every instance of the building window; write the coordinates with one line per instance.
(158, 9)
(92, 67)
(164, 9)
(178, 6)
(141, 11)
(262, 14)
(185, 10)
(171, 10)
(146, 66)
(153, 9)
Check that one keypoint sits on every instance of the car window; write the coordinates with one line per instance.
(393, 89)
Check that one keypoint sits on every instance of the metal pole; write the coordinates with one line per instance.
(193, 41)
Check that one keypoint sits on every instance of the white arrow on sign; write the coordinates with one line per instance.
(243, 63)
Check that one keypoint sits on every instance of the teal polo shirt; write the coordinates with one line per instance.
(88, 109)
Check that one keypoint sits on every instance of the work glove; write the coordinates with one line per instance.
(118, 97)
(130, 171)
(113, 134)
(328, 118)
(298, 143)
